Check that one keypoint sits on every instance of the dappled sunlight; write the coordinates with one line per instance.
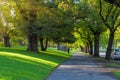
(27, 58)
(58, 53)
(19, 64)
(3, 79)
(92, 68)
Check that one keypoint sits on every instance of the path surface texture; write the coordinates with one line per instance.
(80, 67)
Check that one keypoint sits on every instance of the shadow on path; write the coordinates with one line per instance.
(79, 67)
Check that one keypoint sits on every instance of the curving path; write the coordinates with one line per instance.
(79, 67)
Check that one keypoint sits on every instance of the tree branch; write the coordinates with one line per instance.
(81, 34)
(100, 11)
(117, 26)
(116, 17)
(113, 16)
(92, 30)
(109, 11)
(103, 19)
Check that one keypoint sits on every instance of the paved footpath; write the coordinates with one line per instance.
(79, 67)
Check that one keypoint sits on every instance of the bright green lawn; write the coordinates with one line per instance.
(18, 64)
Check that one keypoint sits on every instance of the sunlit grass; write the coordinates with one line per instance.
(29, 58)
(117, 74)
(18, 64)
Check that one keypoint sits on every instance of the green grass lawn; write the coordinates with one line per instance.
(18, 64)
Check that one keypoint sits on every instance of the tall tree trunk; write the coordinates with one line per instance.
(32, 43)
(109, 47)
(7, 40)
(43, 45)
(91, 48)
(87, 48)
(96, 44)
(83, 49)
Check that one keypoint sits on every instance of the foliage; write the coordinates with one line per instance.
(115, 2)
(117, 38)
(109, 14)
(63, 22)
(55, 19)
(6, 18)
(104, 39)
(1, 44)
(25, 13)
(90, 23)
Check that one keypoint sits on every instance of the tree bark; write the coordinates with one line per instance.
(91, 48)
(7, 40)
(83, 49)
(109, 47)
(96, 44)
(43, 45)
(87, 48)
(32, 43)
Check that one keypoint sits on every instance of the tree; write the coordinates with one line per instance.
(6, 24)
(87, 36)
(110, 16)
(46, 21)
(93, 23)
(26, 18)
(5, 32)
(104, 39)
(63, 25)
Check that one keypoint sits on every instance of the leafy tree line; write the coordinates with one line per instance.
(111, 20)
(101, 16)
(60, 21)
(43, 20)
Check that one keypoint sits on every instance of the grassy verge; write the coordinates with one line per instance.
(117, 74)
(18, 64)
(109, 64)
(115, 65)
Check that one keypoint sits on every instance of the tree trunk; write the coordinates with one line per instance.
(91, 48)
(87, 48)
(7, 40)
(96, 44)
(43, 45)
(32, 43)
(83, 49)
(109, 47)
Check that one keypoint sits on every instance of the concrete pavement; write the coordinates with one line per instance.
(80, 67)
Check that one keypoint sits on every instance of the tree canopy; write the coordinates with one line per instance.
(61, 21)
